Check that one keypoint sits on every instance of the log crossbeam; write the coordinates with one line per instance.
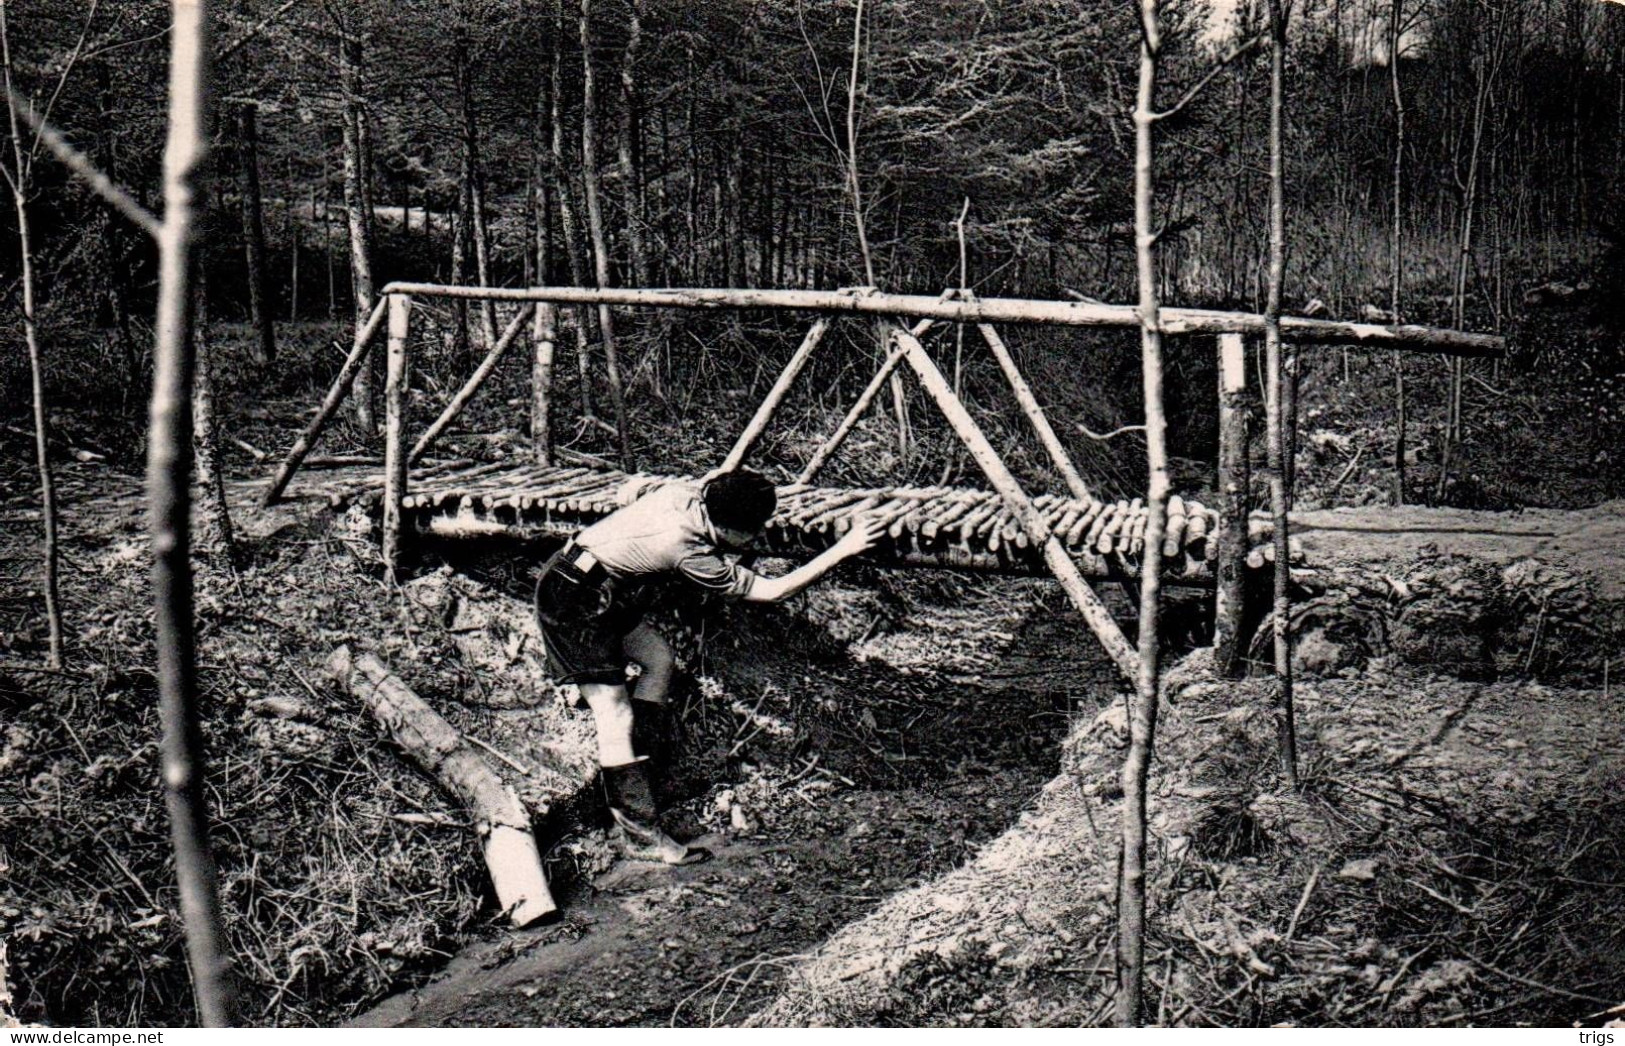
(1175, 321)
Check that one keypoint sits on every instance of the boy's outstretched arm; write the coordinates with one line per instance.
(866, 530)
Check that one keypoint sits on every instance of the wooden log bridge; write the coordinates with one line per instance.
(1003, 529)
(943, 527)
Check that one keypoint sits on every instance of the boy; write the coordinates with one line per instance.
(590, 602)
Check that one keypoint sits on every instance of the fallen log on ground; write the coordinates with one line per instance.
(436, 746)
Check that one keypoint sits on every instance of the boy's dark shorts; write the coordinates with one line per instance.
(583, 617)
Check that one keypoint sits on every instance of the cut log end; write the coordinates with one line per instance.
(435, 746)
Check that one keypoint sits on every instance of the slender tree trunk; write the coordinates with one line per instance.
(1143, 712)
(214, 539)
(1483, 79)
(248, 165)
(595, 224)
(113, 243)
(1396, 267)
(327, 243)
(854, 188)
(733, 225)
(360, 220)
(169, 466)
(668, 252)
(474, 194)
(459, 343)
(691, 203)
(853, 185)
(1280, 441)
(568, 228)
(19, 179)
(631, 169)
(482, 254)
(363, 130)
(541, 181)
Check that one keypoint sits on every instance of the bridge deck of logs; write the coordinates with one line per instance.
(944, 527)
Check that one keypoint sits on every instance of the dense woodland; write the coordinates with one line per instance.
(1459, 163)
(708, 146)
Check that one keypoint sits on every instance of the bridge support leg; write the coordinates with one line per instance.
(1234, 481)
(1083, 597)
(472, 386)
(398, 374)
(544, 336)
(335, 395)
(781, 388)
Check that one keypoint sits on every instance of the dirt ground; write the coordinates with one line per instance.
(1587, 542)
(1451, 859)
(907, 779)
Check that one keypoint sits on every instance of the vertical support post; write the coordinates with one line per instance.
(544, 336)
(1234, 482)
(775, 396)
(400, 314)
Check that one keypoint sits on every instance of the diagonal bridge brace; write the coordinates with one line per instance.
(904, 345)
(1094, 612)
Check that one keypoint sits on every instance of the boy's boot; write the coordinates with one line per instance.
(637, 831)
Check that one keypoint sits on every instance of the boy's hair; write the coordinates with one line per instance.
(740, 500)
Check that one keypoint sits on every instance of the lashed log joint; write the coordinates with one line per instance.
(501, 820)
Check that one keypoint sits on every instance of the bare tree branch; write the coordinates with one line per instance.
(85, 168)
(255, 30)
(61, 82)
(1199, 86)
(1121, 430)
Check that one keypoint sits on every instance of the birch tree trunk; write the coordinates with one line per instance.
(1143, 721)
(1277, 379)
(248, 164)
(631, 168)
(1396, 268)
(213, 515)
(567, 216)
(18, 180)
(595, 225)
(360, 221)
(169, 464)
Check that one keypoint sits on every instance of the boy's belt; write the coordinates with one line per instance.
(581, 565)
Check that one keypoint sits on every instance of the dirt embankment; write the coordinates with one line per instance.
(1453, 858)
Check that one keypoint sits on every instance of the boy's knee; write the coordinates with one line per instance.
(660, 663)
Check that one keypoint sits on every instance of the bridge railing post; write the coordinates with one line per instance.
(544, 337)
(1234, 480)
(395, 385)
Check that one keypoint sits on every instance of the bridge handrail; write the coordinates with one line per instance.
(1175, 321)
